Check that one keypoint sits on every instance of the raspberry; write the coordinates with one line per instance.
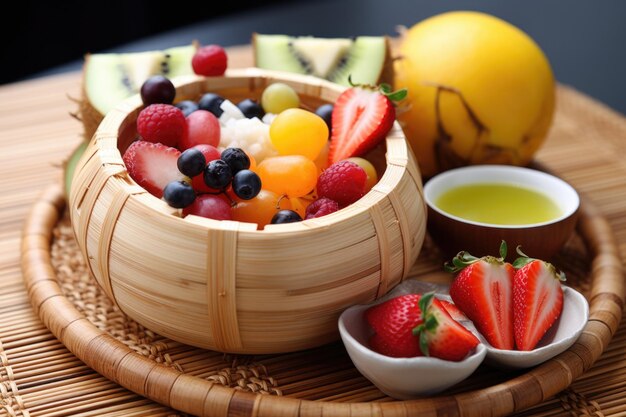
(343, 182)
(210, 60)
(321, 207)
(162, 123)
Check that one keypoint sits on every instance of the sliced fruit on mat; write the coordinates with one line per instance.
(537, 298)
(483, 290)
(70, 166)
(108, 79)
(366, 58)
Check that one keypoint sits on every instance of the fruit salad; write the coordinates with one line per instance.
(266, 162)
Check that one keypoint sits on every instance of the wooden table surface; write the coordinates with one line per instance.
(37, 133)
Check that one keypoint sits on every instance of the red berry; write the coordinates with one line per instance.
(162, 123)
(152, 165)
(211, 206)
(202, 128)
(343, 182)
(210, 154)
(321, 207)
(210, 60)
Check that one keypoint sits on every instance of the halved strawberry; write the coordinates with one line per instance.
(415, 325)
(537, 299)
(483, 290)
(361, 119)
(453, 310)
(152, 165)
(440, 335)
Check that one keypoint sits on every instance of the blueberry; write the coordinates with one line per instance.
(246, 184)
(179, 194)
(286, 216)
(325, 111)
(251, 108)
(217, 174)
(157, 90)
(191, 162)
(211, 102)
(187, 107)
(236, 159)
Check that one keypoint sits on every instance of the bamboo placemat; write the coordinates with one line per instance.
(38, 376)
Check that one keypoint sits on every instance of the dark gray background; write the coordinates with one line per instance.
(584, 40)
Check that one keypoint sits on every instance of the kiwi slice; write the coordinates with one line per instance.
(366, 59)
(108, 79)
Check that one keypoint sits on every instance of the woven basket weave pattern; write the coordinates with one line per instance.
(224, 285)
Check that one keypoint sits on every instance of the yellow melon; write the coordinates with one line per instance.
(480, 91)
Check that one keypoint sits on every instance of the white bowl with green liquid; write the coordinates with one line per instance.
(475, 208)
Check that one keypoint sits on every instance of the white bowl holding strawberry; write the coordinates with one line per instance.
(415, 375)
(516, 315)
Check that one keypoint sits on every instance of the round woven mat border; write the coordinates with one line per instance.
(197, 396)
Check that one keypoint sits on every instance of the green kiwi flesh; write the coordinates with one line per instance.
(363, 58)
(111, 78)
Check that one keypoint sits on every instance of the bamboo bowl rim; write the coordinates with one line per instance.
(115, 119)
(197, 396)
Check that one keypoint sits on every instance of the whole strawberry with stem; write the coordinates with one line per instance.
(483, 290)
(418, 325)
(537, 297)
(361, 118)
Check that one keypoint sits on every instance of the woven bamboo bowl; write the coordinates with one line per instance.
(224, 285)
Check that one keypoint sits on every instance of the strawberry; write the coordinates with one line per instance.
(440, 335)
(453, 310)
(415, 325)
(483, 290)
(361, 119)
(537, 299)
(152, 165)
(394, 321)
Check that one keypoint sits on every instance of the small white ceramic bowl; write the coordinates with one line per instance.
(558, 339)
(539, 240)
(407, 378)
(402, 378)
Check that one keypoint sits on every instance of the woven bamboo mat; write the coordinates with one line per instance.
(39, 377)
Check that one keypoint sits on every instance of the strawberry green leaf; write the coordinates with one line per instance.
(523, 260)
(431, 323)
(459, 262)
(385, 88)
(503, 250)
(518, 249)
(425, 302)
(397, 95)
(464, 259)
(424, 343)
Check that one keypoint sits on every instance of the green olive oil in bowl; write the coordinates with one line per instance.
(474, 208)
(498, 203)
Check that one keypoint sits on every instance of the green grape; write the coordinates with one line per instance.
(278, 97)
